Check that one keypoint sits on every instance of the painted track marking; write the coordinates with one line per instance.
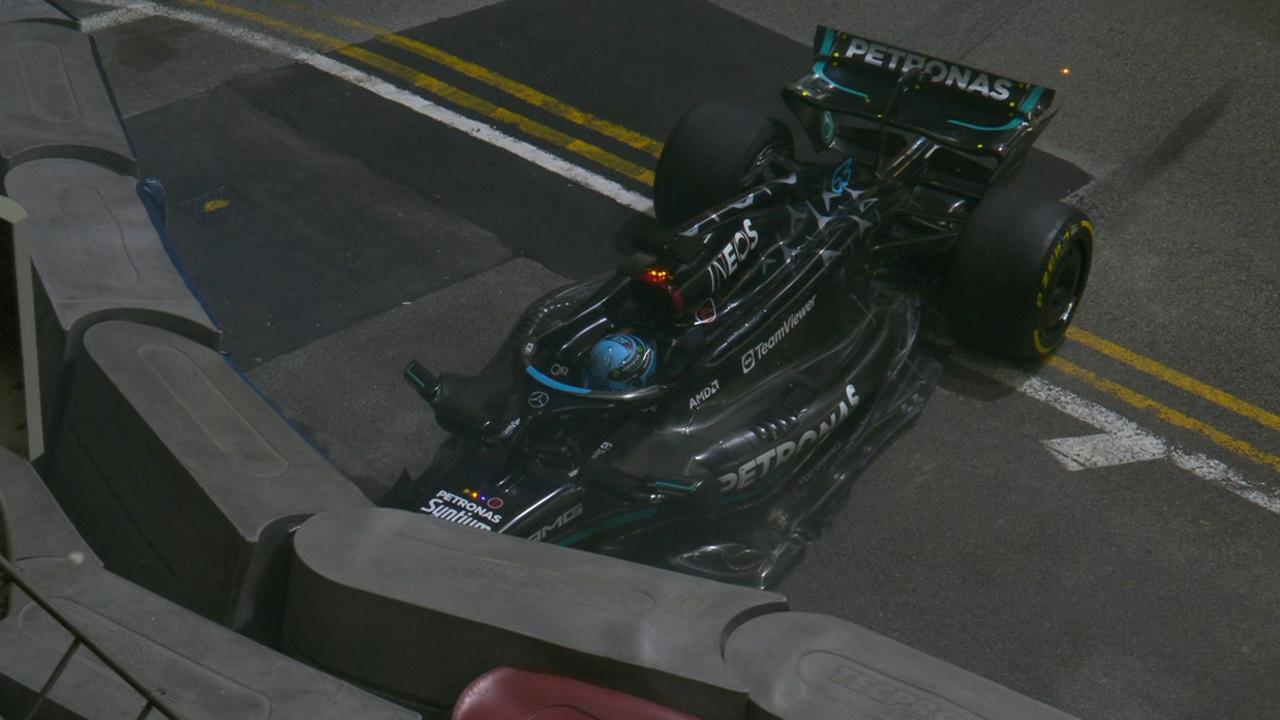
(442, 89)
(548, 161)
(1125, 434)
(514, 88)
(1104, 450)
(1166, 413)
(110, 19)
(1153, 368)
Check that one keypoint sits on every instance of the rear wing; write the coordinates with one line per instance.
(986, 120)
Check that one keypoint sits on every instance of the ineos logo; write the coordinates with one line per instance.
(538, 399)
(734, 254)
(706, 313)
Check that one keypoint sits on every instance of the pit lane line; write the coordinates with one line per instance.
(1206, 470)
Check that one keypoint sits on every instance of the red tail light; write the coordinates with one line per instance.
(663, 278)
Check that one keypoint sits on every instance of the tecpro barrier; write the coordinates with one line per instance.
(181, 476)
(203, 669)
(804, 666)
(58, 106)
(37, 526)
(88, 251)
(56, 101)
(418, 607)
(37, 10)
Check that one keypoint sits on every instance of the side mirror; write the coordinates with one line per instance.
(704, 491)
(422, 380)
(457, 401)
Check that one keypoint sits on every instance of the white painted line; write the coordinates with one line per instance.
(1124, 430)
(1105, 450)
(1205, 467)
(111, 18)
(547, 161)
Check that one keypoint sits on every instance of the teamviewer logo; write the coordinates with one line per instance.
(748, 361)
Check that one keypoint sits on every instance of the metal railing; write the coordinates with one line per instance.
(9, 579)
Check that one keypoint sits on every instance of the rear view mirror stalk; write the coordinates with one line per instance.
(891, 109)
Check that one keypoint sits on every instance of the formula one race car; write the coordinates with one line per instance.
(705, 407)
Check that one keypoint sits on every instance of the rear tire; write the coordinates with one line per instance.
(1017, 276)
(715, 153)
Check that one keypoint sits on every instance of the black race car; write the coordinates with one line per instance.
(705, 407)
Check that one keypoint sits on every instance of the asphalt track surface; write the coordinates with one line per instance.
(348, 233)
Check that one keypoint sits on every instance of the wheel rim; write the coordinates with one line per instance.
(1063, 297)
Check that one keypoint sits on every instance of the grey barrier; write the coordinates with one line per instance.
(804, 666)
(38, 528)
(417, 608)
(181, 476)
(207, 532)
(83, 218)
(203, 669)
(57, 102)
(34, 10)
(198, 668)
(88, 251)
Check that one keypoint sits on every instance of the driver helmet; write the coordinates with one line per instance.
(620, 362)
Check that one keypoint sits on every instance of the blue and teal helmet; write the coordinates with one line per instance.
(620, 362)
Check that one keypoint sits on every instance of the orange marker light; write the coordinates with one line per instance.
(1066, 71)
(657, 276)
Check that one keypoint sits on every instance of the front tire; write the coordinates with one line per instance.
(715, 152)
(1018, 274)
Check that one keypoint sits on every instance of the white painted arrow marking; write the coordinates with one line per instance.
(1104, 450)
(1120, 437)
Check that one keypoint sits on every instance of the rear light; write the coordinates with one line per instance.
(657, 276)
(663, 279)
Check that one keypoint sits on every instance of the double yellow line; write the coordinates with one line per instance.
(1155, 369)
(462, 98)
(641, 173)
